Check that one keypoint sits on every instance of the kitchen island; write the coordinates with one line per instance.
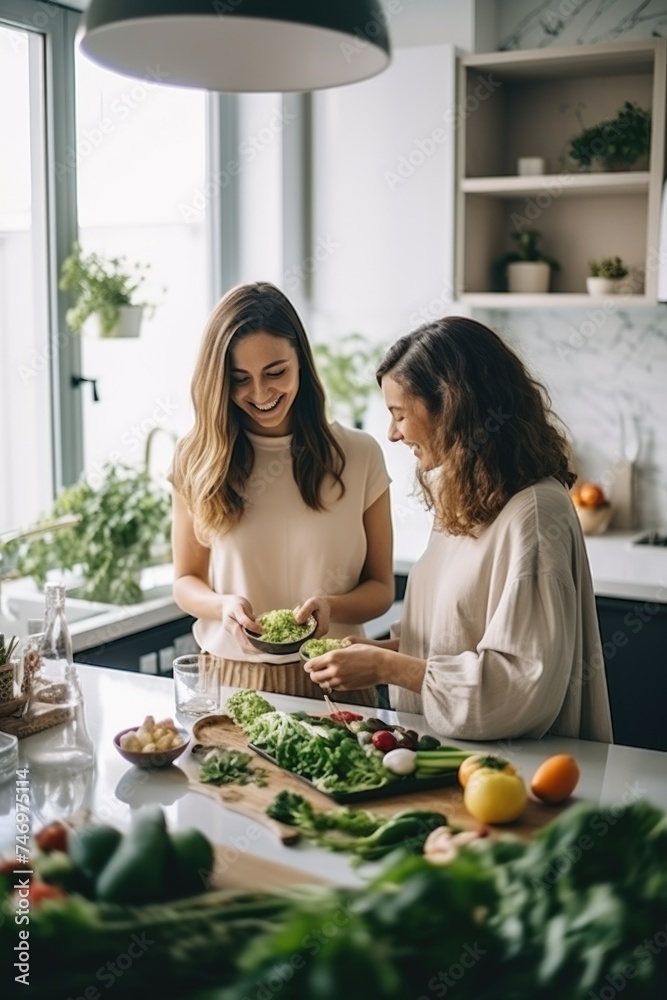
(611, 776)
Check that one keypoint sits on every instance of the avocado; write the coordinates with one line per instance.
(91, 847)
(191, 861)
(136, 872)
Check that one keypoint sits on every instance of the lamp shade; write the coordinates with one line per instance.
(239, 45)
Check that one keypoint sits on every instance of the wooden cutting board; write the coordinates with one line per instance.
(251, 800)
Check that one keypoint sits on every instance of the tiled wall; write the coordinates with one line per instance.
(604, 368)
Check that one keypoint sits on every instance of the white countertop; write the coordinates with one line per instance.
(610, 775)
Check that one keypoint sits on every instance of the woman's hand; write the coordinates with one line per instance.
(237, 614)
(359, 665)
(320, 608)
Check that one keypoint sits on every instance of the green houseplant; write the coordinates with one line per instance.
(615, 143)
(106, 288)
(605, 275)
(527, 269)
(116, 527)
(347, 369)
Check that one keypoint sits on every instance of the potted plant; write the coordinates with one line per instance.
(105, 288)
(605, 275)
(347, 369)
(116, 527)
(615, 143)
(527, 269)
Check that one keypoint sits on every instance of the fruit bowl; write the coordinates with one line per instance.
(594, 520)
(152, 758)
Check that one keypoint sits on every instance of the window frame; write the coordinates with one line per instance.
(57, 26)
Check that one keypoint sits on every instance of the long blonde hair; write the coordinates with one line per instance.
(213, 461)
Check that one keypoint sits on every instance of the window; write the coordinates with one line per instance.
(141, 176)
(26, 482)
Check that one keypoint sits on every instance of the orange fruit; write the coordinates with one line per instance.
(556, 778)
(591, 495)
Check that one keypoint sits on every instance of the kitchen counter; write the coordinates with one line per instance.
(611, 775)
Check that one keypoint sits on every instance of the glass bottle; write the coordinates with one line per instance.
(56, 689)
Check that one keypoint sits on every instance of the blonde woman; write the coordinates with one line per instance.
(274, 507)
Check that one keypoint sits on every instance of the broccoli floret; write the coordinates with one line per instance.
(246, 706)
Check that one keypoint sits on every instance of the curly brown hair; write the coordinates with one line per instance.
(494, 430)
(213, 462)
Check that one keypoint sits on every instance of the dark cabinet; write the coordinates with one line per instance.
(150, 651)
(634, 638)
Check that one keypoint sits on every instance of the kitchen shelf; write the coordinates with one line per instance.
(516, 104)
(551, 300)
(565, 184)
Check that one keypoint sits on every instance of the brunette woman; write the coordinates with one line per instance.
(499, 635)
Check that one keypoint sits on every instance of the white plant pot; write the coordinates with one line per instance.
(129, 324)
(528, 277)
(603, 286)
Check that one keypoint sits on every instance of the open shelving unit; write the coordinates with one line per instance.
(515, 104)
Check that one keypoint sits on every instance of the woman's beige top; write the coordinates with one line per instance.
(282, 552)
(508, 626)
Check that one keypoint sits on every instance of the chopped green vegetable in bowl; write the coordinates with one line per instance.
(317, 647)
(280, 632)
(281, 626)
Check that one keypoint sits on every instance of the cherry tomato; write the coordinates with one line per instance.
(52, 838)
(384, 740)
(345, 716)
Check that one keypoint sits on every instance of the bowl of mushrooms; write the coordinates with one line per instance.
(152, 744)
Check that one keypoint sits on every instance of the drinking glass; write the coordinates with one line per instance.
(196, 684)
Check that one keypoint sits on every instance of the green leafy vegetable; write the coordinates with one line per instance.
(329, 756)
(230, 767)
(361, 833)
(246, 706)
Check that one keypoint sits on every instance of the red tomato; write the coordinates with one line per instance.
(345, 716)
(52, 838)
(384, 740)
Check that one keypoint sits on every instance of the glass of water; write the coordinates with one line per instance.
(197, 684)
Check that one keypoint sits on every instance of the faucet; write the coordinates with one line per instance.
(18, 535)
(150, 437)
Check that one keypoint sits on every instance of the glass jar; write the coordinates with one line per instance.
(55, 689)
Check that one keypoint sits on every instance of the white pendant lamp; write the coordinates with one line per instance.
(239, 45)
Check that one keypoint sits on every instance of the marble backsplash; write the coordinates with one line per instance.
(606, 373)
(606, 369)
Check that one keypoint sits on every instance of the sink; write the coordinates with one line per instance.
(23, 601)
(23, 607)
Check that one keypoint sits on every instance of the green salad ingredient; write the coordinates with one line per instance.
(317, 647)
(362, 834)
(222, 766)
(328, 755)
(580, 912)
(281, 626)
(246, 706)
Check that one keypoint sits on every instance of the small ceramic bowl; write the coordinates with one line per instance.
(154, 758)
(595, 520)
(280, 648)
(306, 655)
